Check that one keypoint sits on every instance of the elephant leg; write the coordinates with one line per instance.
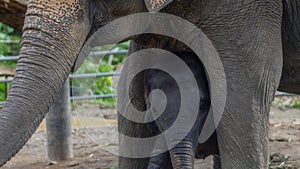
(210, 147)
(217, 162)
(181, 153)
(161, 161)
(249, 45)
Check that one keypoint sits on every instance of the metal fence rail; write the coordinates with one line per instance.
(10, 41)
(78, 76)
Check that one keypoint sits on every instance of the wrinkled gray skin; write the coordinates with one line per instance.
(249, 36)
(182, 155)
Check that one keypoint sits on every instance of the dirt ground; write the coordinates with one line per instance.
(93, 140)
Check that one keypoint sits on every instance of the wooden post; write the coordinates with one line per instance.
(59, 130)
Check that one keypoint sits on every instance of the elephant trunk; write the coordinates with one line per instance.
(48, 52)
(182, 155)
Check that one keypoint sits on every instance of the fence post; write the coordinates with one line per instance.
(59, 130)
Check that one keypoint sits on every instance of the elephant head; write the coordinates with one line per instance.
(53, 34)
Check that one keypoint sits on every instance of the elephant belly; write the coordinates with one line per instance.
(290, 80)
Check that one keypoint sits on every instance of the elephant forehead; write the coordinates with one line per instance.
(56, 8)
(157, 3)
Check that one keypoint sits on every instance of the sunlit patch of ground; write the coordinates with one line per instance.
(94, 139)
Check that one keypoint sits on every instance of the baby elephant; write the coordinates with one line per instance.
(182, 154)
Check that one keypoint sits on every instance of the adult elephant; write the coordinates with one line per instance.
(248, 35)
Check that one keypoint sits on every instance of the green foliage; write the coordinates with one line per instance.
(296, 104)
(2, 92)
(103, 85)
(8, 49)
(8, 33)
(9, 64)
(287, 102)
(97, 85)
(279, 161)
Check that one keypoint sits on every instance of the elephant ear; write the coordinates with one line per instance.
(156, 5)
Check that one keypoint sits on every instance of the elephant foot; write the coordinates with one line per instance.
(161, 161)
